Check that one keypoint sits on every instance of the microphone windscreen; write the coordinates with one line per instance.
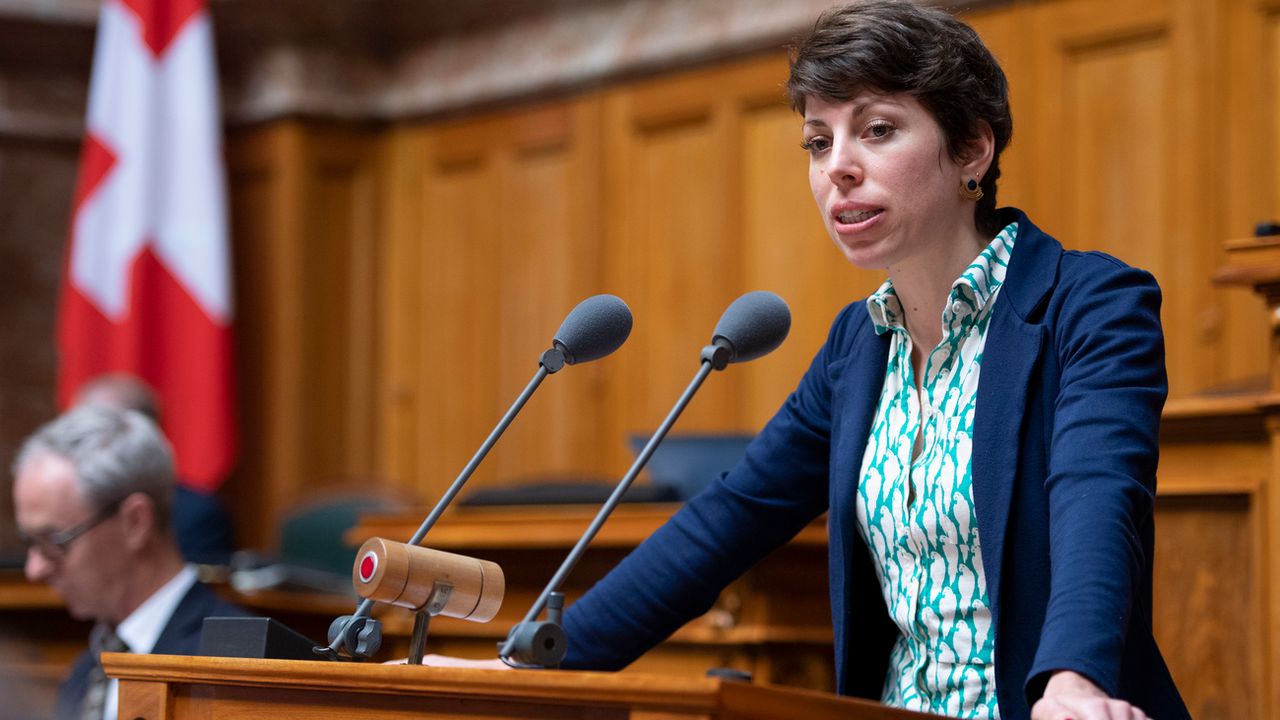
(753, 325)
(596, 327)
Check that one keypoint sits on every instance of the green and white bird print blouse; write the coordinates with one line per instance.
(915, 507)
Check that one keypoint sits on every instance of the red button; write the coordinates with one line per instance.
(367, 566)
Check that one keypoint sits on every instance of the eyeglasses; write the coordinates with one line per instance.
(55, 545)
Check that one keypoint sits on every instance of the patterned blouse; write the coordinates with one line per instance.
(916, 512)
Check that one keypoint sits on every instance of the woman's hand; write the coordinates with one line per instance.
(1072, 696)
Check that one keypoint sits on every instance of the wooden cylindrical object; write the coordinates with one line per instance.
(404, 575)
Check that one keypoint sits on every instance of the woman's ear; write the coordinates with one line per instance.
(978, 152)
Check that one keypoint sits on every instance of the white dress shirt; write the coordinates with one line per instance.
(142, 628)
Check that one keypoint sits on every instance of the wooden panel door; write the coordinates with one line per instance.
(304, 219)
(671, 224)
(338, 260)
(494, 238)
(261, 182)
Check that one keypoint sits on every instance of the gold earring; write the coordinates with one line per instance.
(971, 190)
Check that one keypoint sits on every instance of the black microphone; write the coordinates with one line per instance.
(752, 326)
(593, 329)
(596, 327)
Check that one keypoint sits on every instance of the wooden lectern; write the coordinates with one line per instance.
(166, 687)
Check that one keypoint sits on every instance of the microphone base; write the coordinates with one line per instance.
(361, 636)
(538, 644)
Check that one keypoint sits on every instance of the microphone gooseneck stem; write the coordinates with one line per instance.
(366, 606)
(615, 498)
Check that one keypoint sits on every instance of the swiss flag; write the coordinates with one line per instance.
(146, 287)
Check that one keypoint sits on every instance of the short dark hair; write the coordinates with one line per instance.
(899, 46)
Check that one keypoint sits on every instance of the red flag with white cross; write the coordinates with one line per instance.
(146, 288)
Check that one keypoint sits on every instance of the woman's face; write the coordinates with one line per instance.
(887, 187)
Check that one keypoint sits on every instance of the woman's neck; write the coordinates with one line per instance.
(923, 285)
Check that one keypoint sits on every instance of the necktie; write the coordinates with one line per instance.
(102, 639)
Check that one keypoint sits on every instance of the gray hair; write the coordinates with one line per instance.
(114, 452)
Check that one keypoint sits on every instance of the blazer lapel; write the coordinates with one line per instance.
(1012, 351)
(858, 394)
(855, 395)
(183, 628)
(1014, 347)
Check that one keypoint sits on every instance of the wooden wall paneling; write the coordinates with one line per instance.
(1266, 535)
(1251, 154)
(339, 263)
(1004, 30)
(265, 172)
(1205, 586)
(548, 204)
(1263, 21)
(505, 228)
(1251, 150)
(1196, 209)
(457, 292)
(1267, 87)
(402, 157)
(1119, 151)
(670, 224)
(1209, 569)
(303, 221)
(1071, 34)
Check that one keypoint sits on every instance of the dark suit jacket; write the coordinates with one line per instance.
(202, 527)
(181, 636)
(1064, 462)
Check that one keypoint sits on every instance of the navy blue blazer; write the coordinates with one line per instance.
(181, 636)
(1064, 463)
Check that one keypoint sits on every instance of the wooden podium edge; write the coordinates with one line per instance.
(693, 696)
(687, 694)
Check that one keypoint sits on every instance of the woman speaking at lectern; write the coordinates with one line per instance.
(982, 430)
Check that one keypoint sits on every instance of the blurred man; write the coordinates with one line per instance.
(93, 493)
(200, 521)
